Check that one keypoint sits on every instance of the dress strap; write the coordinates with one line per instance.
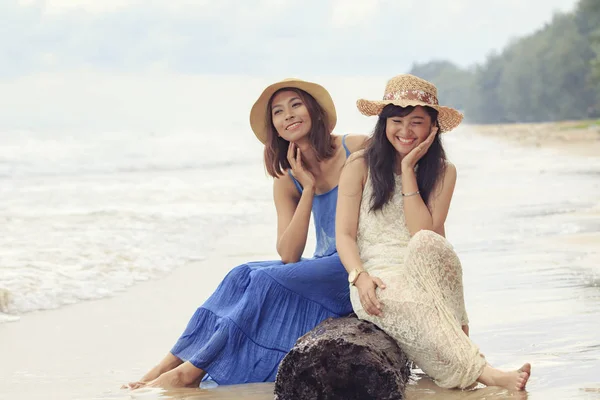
(345, 147)
(298, 185)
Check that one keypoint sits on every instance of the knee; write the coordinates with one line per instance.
(239, 270)
(425, 234)
(429, 242)
(238, 276)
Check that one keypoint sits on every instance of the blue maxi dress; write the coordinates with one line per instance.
(259, 310)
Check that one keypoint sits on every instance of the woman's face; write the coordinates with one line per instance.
(406, 133)
(290, 116)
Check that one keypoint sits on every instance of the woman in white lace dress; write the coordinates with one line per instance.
(405, 277)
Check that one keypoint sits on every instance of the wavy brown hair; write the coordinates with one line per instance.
(381, 159)
(276, 147)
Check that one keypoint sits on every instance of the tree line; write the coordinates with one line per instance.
(550, 75)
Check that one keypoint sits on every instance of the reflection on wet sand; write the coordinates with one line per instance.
(251, 391)
(421, 387)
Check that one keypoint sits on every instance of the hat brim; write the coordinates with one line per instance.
(448, 117)
(258, 113)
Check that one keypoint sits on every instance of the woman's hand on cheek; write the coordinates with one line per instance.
(411, 159)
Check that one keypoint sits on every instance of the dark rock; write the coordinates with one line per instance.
(343, 358)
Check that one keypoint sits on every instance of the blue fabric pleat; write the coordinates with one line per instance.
(259, 310)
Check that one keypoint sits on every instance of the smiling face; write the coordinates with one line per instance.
(406, 133)
(290, 115)
(294, 115)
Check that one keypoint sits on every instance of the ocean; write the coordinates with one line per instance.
(87, 214)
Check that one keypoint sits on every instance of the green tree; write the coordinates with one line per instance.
(547, 74)
(486, 105)
(588, 22)
(453, 83)
(552, 74)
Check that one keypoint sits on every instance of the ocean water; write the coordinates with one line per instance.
(526, 225)
(85, 216)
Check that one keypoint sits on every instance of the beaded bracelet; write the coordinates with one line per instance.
(410, 194)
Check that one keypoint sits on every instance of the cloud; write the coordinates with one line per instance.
(92, 65)
(353, 13)
(262, 37)
(56, 7)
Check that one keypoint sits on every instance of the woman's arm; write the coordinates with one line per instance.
(352, 181)
(293, 218)
(418, 215)
(348, 208)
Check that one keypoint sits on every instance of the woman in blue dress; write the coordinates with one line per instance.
(242, 332)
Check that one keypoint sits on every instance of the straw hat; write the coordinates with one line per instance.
(258, 114)
(408, 90)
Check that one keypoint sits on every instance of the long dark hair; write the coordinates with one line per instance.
(381, 159)
(276, 147)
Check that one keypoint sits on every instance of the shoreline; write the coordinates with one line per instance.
(89, 349)
(576, 138)
(578, 141)
(569, 138)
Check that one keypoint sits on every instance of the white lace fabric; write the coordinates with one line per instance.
(423, 303)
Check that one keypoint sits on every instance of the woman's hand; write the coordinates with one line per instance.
(302, 175)
(410, 160)
(366, 285)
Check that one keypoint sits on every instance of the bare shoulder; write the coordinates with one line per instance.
(450, 171)
(356, 166)
(283, 185)
(448, 179)
(355, 142)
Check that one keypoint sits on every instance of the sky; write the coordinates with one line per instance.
(74, 56)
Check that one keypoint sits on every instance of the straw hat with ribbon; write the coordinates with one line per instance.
(408, 90)
(258, 114)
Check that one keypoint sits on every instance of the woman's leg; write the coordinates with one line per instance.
(234, 281)
(441, 320)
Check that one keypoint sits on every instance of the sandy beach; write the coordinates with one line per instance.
(572, 137)
(87, 350)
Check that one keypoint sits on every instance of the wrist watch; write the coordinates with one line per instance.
(354, 274)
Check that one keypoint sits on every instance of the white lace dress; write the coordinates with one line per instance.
(423, 303)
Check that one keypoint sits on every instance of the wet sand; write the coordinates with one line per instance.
(88, 350)
(541, 307)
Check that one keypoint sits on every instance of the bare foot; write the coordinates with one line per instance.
(185, 375)
(150, 376)
(524, 374)
(512, 380)
(134, 385)
(168, 363)
(173, 379)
